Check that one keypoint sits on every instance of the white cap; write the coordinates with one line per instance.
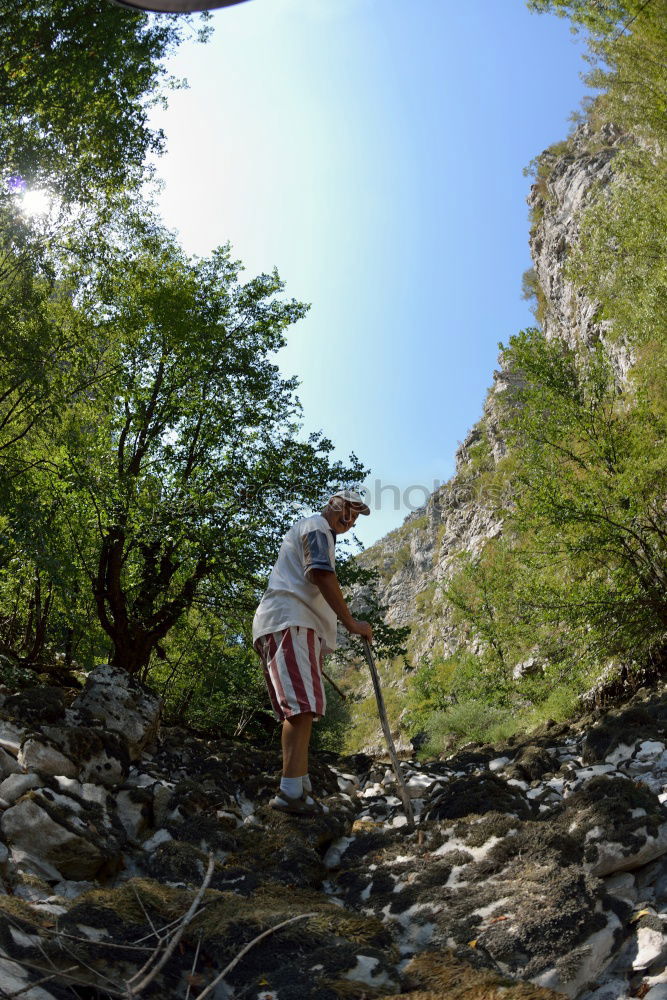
(353, 497)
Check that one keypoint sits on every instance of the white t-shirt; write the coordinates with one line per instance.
(290, 598)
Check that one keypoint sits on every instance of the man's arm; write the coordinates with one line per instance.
(327, 583)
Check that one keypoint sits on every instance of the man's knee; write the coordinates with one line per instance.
(302, 719)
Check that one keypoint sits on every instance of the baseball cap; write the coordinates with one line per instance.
(353, 497)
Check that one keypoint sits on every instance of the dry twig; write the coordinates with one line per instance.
(38, 982)
(193, 969)
(135, 985)
(251, 944)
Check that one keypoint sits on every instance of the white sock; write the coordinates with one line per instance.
(307, 786)
(292, 787)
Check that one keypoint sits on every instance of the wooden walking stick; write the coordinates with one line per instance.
(402, 790)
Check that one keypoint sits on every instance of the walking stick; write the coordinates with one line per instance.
(402, 790)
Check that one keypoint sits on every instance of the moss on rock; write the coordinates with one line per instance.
(478, 794)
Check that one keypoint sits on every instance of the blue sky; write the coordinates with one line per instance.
(373, 151)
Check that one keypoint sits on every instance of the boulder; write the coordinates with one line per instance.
(115, 699)
(37, 755)
(51, 827)
(8, 764)
(620, 824)
(11, 736)
(83, 752)
(16, 785)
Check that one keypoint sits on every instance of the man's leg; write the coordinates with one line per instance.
(295, 741)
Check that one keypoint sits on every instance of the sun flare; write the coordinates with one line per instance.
(36, 202)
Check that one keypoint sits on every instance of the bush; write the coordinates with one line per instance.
(467, 721)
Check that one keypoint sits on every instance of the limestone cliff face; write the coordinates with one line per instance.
(558, 204)
(417, 559)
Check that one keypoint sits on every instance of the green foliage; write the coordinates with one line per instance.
(469, 721)
(78, 79)
(589, 496)
(364, 728)
(359, 584)
(578, 575)
(429, 690)
(211, 678)
(532, 291)
(331, 732)
(180, 468)
(425, 601)
(14, 676)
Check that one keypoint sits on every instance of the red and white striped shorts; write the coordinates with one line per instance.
(292, 660)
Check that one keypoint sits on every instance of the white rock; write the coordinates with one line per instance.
(650, 781)
(649, 749)
(557, 785)
(622, 752)
(364, 972)
(336, 851)
(622, 885)
(31, 894)
(30, 828)
(160, 837)
(8, 764)
(84, 789)
(498, 763)
(162, 792)
(14, 979)
(16, 785)
(418, 785)
(344, 785)
(651, 945)
(586, 962)
(37, 756)
(111, 696)
(11, 737)
(657, 992)
(634, 767)
(142, 780)
(584, 773)
(370, 791)
(132, 814)
(23, 861)
(69, 889)
(615, 989)
(613, 857)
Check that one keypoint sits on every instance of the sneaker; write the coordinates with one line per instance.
(303, 806)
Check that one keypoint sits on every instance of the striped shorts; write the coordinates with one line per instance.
(292, 661)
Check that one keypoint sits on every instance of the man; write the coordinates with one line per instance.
(294, 626)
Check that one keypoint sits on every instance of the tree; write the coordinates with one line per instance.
(78, 79)
(590, 494)
(184, 463)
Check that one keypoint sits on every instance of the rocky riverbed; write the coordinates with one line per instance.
(139, 862)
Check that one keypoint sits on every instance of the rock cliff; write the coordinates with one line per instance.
(415, 560)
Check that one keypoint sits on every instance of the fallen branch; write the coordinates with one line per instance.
(194, 969)
(244, 951)
(133, 987)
